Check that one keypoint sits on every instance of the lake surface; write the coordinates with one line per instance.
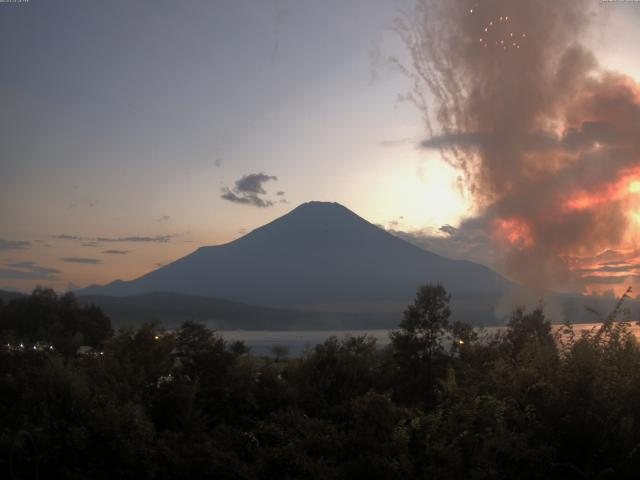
(296, 341)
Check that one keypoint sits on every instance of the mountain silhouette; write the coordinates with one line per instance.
(318, 254)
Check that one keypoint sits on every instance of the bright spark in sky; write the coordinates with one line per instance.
(503, 36)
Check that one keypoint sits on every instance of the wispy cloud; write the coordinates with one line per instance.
(116, 252)
(27, 270)
(14, 245)
(90, 261)
(156, 238)
(398, 142)
(64, 236)
(90, 241)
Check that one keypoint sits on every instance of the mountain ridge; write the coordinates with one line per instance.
(319, 252)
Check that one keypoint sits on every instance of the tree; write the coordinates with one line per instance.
(280, 352)
(419, 338)
(524, 328)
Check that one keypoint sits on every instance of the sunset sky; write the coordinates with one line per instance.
(135, 132)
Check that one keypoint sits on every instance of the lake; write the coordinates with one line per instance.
(296, 341)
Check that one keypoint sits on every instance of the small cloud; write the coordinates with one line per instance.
(218, 162)
(116, 252)
(248, 190)
(163, 218)
(14, 245)
(448, 229)
(90, 261)
(26, 270)
(280, 193)
(396, 223)
(83, 202)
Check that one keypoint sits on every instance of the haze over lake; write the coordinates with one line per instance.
(262, 341)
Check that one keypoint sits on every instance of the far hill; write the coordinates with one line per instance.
(7, 296)
(174, 308)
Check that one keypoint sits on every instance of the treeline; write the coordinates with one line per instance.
(438, 402)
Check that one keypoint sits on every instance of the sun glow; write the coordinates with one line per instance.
(418, 193)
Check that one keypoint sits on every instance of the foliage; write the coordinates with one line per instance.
(439, 402)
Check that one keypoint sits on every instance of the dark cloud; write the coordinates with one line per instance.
(252, 183)
(14, 245)
(249, 190)
(116, 252)
(245, 199)
(27, 270)
(90, 261)
(280, 193)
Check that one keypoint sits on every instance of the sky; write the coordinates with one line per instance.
(135, 132)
